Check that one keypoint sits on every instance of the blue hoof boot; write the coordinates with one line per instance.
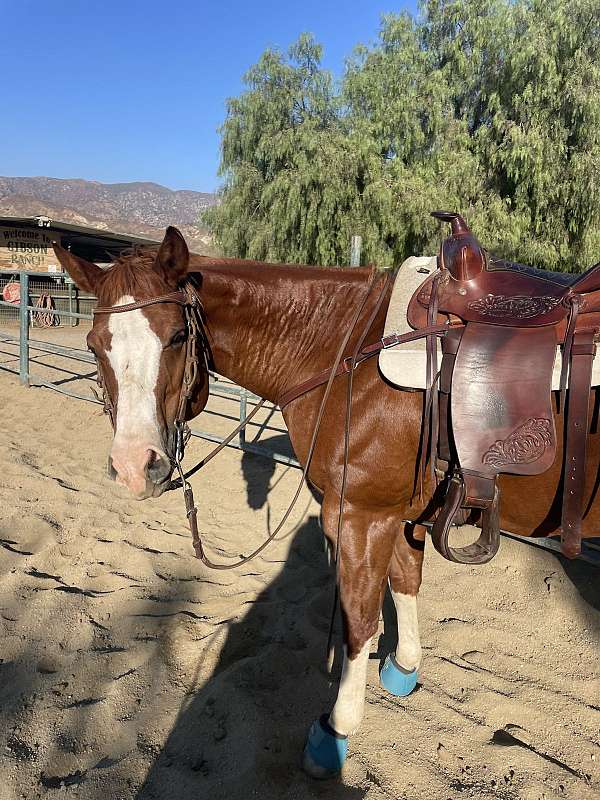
(325, 750)
(395, 679)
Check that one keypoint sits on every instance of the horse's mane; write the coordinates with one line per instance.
(132, 273)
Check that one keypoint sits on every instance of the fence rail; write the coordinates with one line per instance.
(23, 312)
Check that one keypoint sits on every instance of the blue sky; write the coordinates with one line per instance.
(135, 90)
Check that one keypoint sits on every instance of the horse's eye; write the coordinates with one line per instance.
(178, 339)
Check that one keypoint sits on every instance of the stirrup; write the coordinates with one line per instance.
(481, 551)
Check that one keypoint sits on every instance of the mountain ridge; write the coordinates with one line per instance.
(144, 208)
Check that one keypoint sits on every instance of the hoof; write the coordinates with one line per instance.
(395, 679)
(325, 750)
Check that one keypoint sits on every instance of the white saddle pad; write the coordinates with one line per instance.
(405, 365)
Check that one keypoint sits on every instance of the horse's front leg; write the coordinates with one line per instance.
(399, 673)
(366, 552)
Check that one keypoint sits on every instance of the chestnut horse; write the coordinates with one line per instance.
(270, 327)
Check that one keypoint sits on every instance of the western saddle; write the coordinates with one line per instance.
(490, 408)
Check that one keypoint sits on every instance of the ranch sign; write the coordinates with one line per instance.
(27, 248)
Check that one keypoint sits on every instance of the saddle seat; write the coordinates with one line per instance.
(490, 406)
(586, 282)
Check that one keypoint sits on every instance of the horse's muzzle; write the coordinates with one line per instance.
(151, 480)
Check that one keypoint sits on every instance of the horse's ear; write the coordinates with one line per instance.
(85, 273)
(173, 256)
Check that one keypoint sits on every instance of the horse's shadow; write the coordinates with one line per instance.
(258, 471)
(243, 731)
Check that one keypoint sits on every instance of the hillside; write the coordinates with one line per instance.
(139, 208)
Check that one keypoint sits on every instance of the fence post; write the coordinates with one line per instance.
(24, 329)
(69, 283)
(355, 248)
(243, 413)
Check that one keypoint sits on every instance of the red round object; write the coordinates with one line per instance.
(12, 293)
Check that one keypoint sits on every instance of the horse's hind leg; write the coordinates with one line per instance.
(368, 542)
(399, 673)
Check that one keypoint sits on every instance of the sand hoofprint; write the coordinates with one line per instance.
(127, 670)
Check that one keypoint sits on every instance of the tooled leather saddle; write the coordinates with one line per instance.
(490, 406)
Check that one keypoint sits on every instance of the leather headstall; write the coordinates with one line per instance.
(190, 302)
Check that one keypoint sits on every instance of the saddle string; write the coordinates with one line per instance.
(432, 378)
(428, 438)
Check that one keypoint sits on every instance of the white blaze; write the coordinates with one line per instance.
(135, 359)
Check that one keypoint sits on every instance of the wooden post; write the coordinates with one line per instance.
(355, 248)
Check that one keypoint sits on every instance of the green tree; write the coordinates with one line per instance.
(286, 162)
(490, 107)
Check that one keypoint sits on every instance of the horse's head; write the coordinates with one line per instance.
(142, 356)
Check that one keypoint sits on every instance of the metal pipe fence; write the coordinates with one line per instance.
(66, 298)
(21, 315)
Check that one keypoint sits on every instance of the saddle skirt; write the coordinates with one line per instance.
(405, 365)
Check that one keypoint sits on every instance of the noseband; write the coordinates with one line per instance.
(195, 341)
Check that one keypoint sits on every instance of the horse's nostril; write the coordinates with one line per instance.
(157, 467)
(110, 470)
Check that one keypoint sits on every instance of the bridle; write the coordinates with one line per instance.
(196, 349)
(196, 345)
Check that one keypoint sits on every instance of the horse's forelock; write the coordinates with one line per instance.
(132, 274)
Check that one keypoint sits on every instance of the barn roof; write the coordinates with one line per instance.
(93, 244)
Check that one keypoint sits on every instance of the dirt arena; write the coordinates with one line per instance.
(128, 670)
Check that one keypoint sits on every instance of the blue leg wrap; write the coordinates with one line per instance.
(325, 750)
(395, 679)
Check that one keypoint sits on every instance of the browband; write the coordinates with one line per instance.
(173, 297)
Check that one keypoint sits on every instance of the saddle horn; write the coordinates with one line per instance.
(460, 253)
(457, 222)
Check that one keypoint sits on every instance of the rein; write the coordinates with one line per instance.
(191, 510)
(350, 363)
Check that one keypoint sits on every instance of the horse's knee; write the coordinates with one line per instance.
(359, 631)
(406, 568)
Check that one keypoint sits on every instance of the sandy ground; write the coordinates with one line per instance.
(127, 670)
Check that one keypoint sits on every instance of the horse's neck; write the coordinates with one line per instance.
(271, 327)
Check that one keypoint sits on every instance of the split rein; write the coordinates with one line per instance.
(196, 336)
